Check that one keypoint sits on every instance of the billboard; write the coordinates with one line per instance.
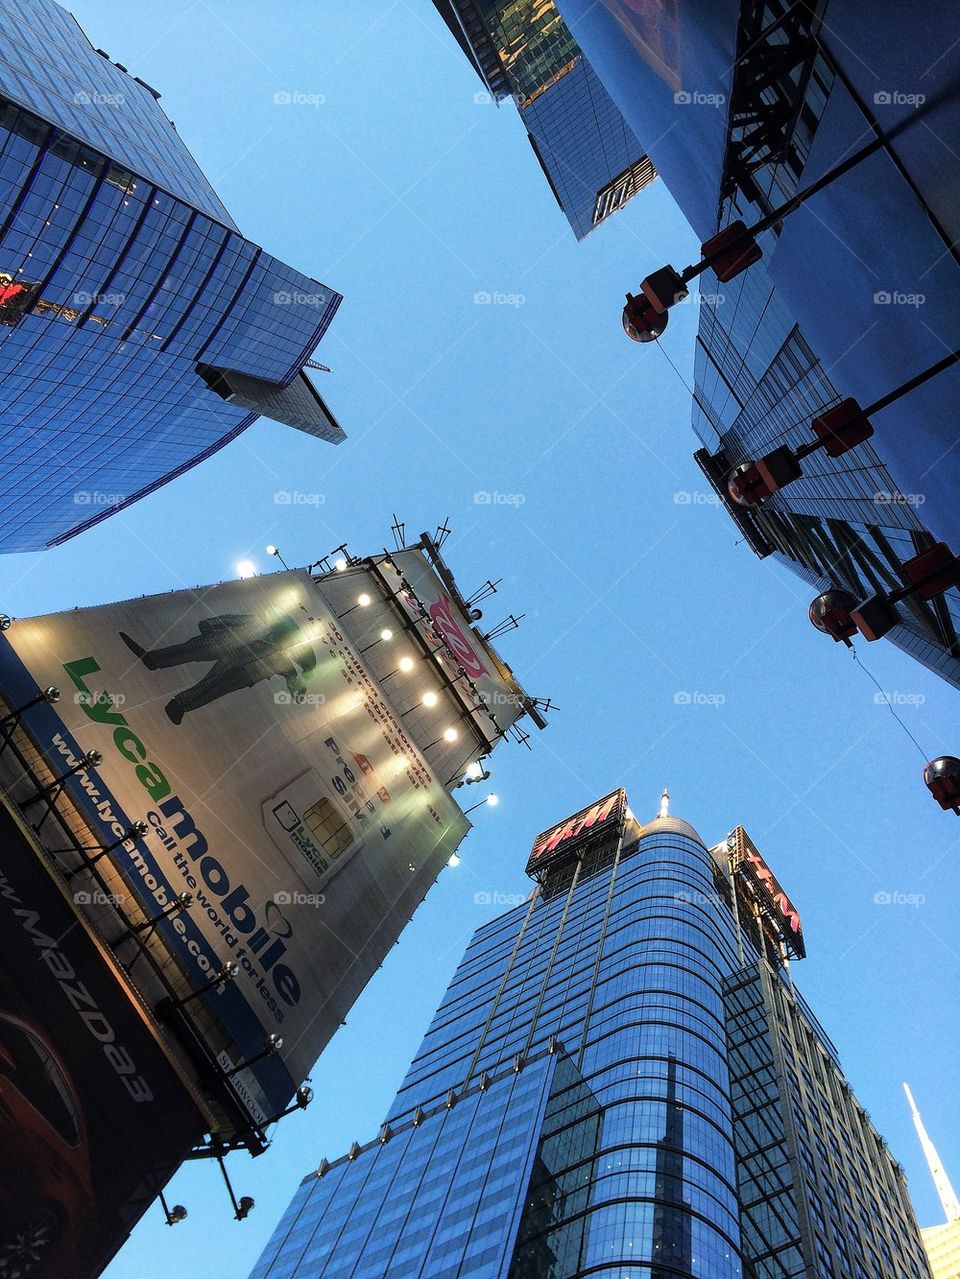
(279, 788)
(751, 866)
(93, 1119)
(465, 652)
(569, 836)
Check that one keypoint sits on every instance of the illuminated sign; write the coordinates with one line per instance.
(571, 835)
(446, 623)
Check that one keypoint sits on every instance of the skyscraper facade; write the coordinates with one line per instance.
(620, 1080)
(743, 108)
(139, 331)
(523, 49)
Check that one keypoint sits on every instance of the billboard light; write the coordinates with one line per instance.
(271, 1046)
(92, 759)
(491, 801)
(183, 902)
(227, 973)
(44, 695)
(136, 831)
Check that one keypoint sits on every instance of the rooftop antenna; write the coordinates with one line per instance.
(485, 591)
(397, 529)
(543, 704)
(508, 624)
(442, 533)
(948, 1196)
(320, 368)
(664, 803)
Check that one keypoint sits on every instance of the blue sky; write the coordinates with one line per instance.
(395, 187)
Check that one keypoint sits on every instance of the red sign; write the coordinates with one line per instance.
(780, 898)
(444, 619)
(567, 834)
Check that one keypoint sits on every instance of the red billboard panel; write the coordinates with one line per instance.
(569, 837)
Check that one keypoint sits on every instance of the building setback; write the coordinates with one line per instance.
(621, 1080)
(139, 331)
(588, 152)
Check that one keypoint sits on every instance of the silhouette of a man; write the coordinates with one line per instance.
(243, 649)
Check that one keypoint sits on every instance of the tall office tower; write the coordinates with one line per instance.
(139, 331)
(621, 1080)
(941, 1242)
(744, 107)
(522, 49)
(208, 845)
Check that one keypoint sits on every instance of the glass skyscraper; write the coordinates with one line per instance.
(139, 330)
(523, 49)
(620, 1080)
(742, 107)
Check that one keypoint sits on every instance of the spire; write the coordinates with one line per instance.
(948, 1197)
(664, 803)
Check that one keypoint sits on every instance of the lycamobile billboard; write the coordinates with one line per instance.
(278, 786)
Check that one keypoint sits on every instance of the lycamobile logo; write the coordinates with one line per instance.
(233, 900)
